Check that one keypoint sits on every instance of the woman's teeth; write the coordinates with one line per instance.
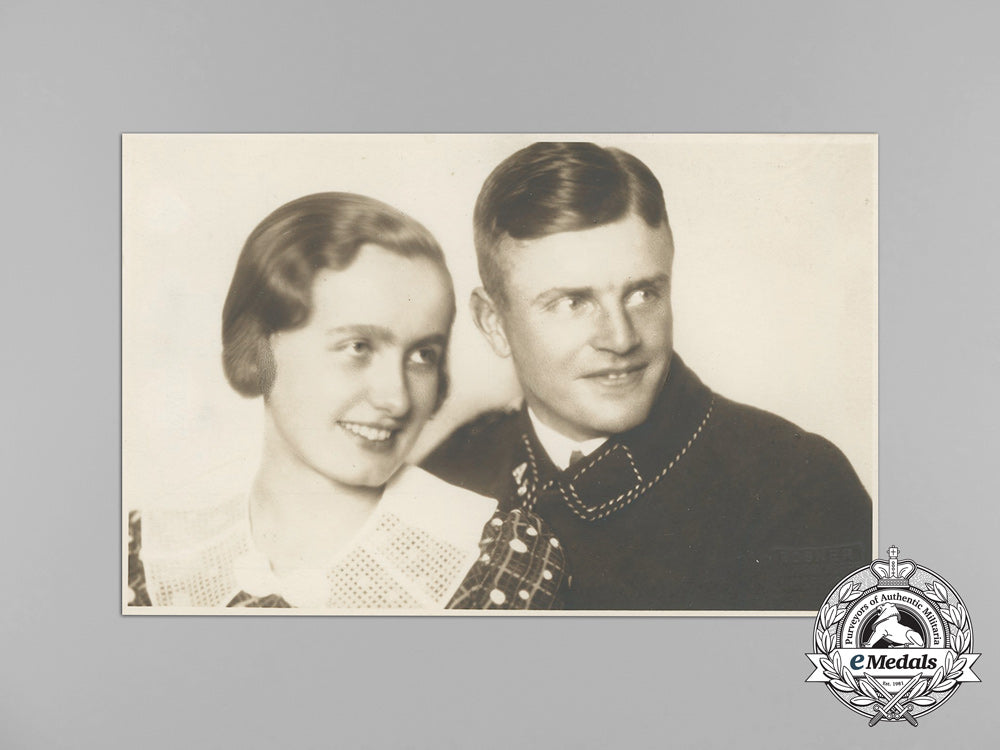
(375, 434)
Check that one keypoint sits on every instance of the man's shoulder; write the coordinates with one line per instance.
(486, 428)
(751, 424)
(760, 440)
(476, 455)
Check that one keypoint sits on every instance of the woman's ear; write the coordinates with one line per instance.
(486, 314)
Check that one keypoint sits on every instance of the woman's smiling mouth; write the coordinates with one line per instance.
(371, 433)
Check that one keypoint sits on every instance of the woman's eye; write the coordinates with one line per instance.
(357, 348)
(426, 356)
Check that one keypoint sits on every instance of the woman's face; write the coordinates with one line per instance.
(356, 384)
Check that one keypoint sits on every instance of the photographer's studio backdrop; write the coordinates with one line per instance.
(774, 282)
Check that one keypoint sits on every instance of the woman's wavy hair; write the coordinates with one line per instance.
(271, 290)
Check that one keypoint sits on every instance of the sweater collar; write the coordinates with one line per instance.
(628, 464)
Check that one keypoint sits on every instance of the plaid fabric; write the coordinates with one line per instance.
(522, 566)
(137, 595)
(272, 601)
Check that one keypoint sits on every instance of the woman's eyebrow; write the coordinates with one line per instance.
(375, 333)
(384, 335)
(435, 339)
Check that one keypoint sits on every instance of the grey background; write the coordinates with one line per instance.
(75, 674)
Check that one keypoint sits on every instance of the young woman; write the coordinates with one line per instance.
(339, 315)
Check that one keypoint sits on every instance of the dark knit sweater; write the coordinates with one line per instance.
(707, 505)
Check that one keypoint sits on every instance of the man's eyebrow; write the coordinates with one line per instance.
(375, 333)
(659, 280)
(563, 291)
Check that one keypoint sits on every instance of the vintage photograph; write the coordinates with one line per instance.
(418, 373)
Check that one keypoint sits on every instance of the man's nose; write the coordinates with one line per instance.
(616, 332)
(388, 389)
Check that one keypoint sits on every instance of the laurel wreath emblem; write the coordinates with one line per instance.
(943, 679)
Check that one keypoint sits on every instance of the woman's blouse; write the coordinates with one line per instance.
(427, 545)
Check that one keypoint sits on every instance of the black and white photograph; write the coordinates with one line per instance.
(488, 375)
(418, 374)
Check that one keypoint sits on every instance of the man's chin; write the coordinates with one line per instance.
(614, 414)
(586, 414)
(612, 422)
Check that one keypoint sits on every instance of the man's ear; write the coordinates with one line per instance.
(486, 313)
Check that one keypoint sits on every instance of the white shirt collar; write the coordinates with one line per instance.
(559, 447)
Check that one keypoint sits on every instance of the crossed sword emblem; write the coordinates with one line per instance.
(890, 709)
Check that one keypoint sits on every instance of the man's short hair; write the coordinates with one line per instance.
(549, 188)
(271, 290)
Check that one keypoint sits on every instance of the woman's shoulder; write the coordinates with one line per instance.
(422, 500)
(170, 528)
(413, 481)
(521, 566)
(182, 554)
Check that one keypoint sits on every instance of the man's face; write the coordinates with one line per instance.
(588, 323)
(355, 385)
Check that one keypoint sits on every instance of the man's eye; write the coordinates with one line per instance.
(569, 304)
(640, 297)
(426, 356)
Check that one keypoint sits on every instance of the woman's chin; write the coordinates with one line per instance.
(354, 462)
(365, 470)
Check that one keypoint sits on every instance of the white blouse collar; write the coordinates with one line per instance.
(412, 552)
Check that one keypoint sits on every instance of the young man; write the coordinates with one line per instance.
(665, 495)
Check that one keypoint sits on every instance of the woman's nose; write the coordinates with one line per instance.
(388, 389)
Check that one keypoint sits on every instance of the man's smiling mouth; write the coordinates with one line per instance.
(618, 376)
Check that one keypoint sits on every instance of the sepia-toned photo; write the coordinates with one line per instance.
(597, 374)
